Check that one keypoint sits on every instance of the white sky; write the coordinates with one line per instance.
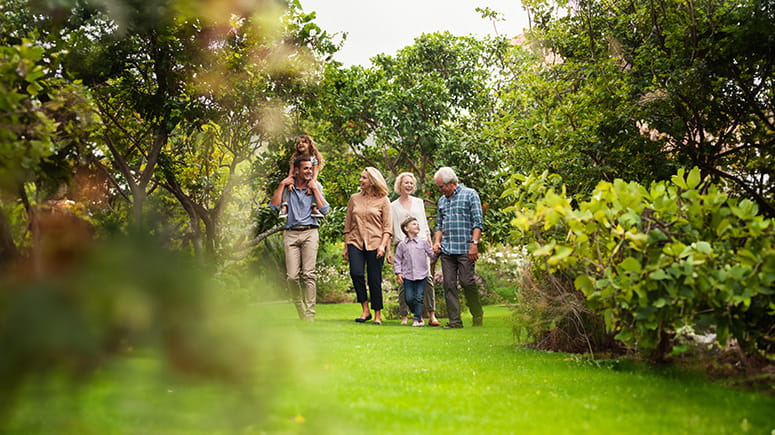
(380, 26)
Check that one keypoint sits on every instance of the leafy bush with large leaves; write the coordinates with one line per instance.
(654, 259)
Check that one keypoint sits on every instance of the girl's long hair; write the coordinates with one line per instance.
(313, 148)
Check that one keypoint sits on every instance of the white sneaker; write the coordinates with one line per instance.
(283, 215)
(418, 323)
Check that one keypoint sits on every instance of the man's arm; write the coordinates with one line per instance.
(277, 196)
(473, 247)
(437, 242)
(439, 223)
(320, 200)
(477, 223)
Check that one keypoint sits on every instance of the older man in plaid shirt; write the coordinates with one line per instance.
(458, 229)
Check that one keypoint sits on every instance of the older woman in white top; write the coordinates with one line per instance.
(405, 206)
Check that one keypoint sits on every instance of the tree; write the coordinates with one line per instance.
(45, 123)
(252, 88)
(159, 75)
(425, 107)
(635, 90)
(399, 111)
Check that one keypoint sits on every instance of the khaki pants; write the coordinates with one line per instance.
(301, 252)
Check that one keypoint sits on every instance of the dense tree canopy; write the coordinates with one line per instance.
(185, 95)
(636, 90)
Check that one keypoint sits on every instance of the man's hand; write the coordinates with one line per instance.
(437, 248)
(473, 251)
(288, 182)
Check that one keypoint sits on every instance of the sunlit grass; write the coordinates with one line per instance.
(394, 379)
(335, 376)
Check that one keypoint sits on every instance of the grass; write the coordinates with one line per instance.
(338, 377)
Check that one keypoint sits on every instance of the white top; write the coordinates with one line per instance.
(400, 214)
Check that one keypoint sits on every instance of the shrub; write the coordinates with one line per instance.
(553, 315)
(500, 269)
(653, 260)
(333, 275)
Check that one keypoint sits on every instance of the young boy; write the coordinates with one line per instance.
(411, 267)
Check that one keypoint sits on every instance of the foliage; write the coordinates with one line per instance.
(422, 108)
(82, 305)
(394, 116)
(45, 127)
(654, 259)
(331, 226)
(552, 315)
(635, 90)
(333, 275)
(189, 95)
(500, 268)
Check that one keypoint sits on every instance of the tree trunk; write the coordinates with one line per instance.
(8, 250)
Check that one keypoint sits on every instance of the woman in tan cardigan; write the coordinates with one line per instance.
(368, 227)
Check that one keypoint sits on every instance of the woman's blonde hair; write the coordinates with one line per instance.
(400, 179)
(378, 184)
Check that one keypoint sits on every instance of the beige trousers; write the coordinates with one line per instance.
(301, 252)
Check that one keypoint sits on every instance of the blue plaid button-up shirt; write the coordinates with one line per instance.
(457, 217)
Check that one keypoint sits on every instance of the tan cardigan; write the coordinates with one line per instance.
(368, 219)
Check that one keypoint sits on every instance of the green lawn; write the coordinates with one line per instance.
(335, 376)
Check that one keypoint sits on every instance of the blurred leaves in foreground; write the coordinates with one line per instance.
(75, 308)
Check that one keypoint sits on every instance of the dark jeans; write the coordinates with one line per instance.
(454, 268)
(414, 291)
(361, 260)
(429, 300)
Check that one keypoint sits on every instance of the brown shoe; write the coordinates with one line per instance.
(434, 323)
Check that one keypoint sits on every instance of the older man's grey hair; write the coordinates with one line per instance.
(446, 174)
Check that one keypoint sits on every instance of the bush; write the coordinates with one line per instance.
(333, 275)
(653, 260)
(553, 315)
(500, 269)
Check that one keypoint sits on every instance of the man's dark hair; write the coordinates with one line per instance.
(298, 160)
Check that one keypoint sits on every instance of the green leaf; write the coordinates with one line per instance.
(630, 264)
(561, 254)
(678, 179)
(659, 275)
(584, 284)
(544, 250)
(693, 179)
(703, 247)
